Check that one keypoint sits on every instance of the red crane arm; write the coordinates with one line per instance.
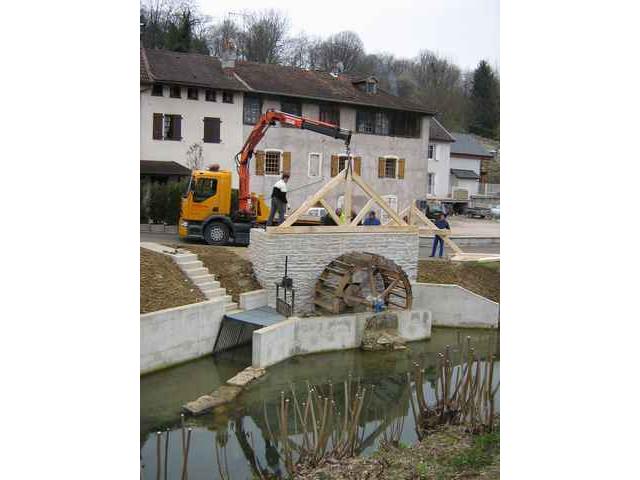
(266, 120)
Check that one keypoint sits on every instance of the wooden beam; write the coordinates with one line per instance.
(347, 196)
(344, 229)
(378, 199)
(363, 211)
(312, 200)
(437, 231)
(330, 210)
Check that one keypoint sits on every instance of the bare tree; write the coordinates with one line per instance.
(225, 36)
(343, 48)
(264, 37)
(194, 157)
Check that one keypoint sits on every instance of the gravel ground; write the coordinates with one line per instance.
(163, 285)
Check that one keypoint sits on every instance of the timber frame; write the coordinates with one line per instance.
(348, 179)
(417, 222)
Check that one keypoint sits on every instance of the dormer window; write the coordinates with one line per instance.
(371, 86)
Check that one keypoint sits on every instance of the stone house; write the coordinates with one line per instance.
(188, 99)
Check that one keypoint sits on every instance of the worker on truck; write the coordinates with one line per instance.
(279, 199)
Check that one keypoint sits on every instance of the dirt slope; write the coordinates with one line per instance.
(480, 278)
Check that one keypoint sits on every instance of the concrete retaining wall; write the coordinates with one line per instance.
(301, 336)
(253, 299)
(454, 306)
(175, 335)
(309, 254)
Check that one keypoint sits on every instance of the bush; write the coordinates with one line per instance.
(174, 200)
(164, 202)
(158, 202)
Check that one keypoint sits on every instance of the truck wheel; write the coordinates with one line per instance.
(216, 233)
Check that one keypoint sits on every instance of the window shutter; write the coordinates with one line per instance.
(286, 162)
(334, 165)
(381, 167)
(157, 126)
(177, 132)
(401, 168)
(211, 130)
(259, 155)
(357, 163)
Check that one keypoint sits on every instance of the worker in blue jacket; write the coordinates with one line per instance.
(371, 219)
(441, 222)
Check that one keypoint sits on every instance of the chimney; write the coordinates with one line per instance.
(229, 56)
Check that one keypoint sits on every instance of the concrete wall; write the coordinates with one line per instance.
(193, 112)
(454, 306)
(368, 147)
(251, 300)
(309, 254)
(301, 336)
(175, 335)
(441, 167)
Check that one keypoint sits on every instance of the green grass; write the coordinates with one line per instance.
(481, 454)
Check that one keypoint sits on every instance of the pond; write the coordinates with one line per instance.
(235, 437)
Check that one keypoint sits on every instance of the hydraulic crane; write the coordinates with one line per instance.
(207, 211)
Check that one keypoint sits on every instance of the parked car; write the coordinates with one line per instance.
(495, 211)
(477, 209)
(317, 212)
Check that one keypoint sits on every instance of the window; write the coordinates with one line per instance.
(431, 152)
(192, 93)
(365, 121)
(291, 106)
(330, 113)
(167, 126)
(205, 188)
(210, 95)
(315, 165)
(342, 162)
(371, 86)
(227, 97)
(157, 90)
(211, 130)
(272, 162)
(400, 124)
(252, 110)
(431, 180)
(390, 167)
(174, 91)
(382, 123)
(392, 201)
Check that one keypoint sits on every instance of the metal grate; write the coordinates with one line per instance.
(233, 334)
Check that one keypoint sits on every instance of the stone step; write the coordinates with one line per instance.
(229, 307)
(208, 285)
(200, 279)
(197, 272)
(214, 293)
(188, 266)
(181, 258)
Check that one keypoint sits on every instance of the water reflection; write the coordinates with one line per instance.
(235, 443)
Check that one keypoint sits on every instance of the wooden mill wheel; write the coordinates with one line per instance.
(351, 282)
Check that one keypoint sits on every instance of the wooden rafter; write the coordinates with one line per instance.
(312, 200)
(330, 211)
(363, 211)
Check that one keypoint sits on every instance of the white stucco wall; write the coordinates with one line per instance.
(466, 164)
(441, 167)
(368, 147)
(193, 112)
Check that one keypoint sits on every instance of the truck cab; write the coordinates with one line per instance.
(208, 211)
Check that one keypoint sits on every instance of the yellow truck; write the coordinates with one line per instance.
(208, 211)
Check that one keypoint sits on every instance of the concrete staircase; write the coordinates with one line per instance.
(200, 276)
(196, 271)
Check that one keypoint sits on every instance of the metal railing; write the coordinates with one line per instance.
(489, 189)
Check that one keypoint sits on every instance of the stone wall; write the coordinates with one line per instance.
(309, 254)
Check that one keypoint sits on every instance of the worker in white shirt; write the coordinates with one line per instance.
(279, 199)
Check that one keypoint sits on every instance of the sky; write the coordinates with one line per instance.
(464, 31)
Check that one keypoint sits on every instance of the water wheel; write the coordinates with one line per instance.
(352, 282)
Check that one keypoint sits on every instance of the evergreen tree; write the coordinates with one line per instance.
(485, 102)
